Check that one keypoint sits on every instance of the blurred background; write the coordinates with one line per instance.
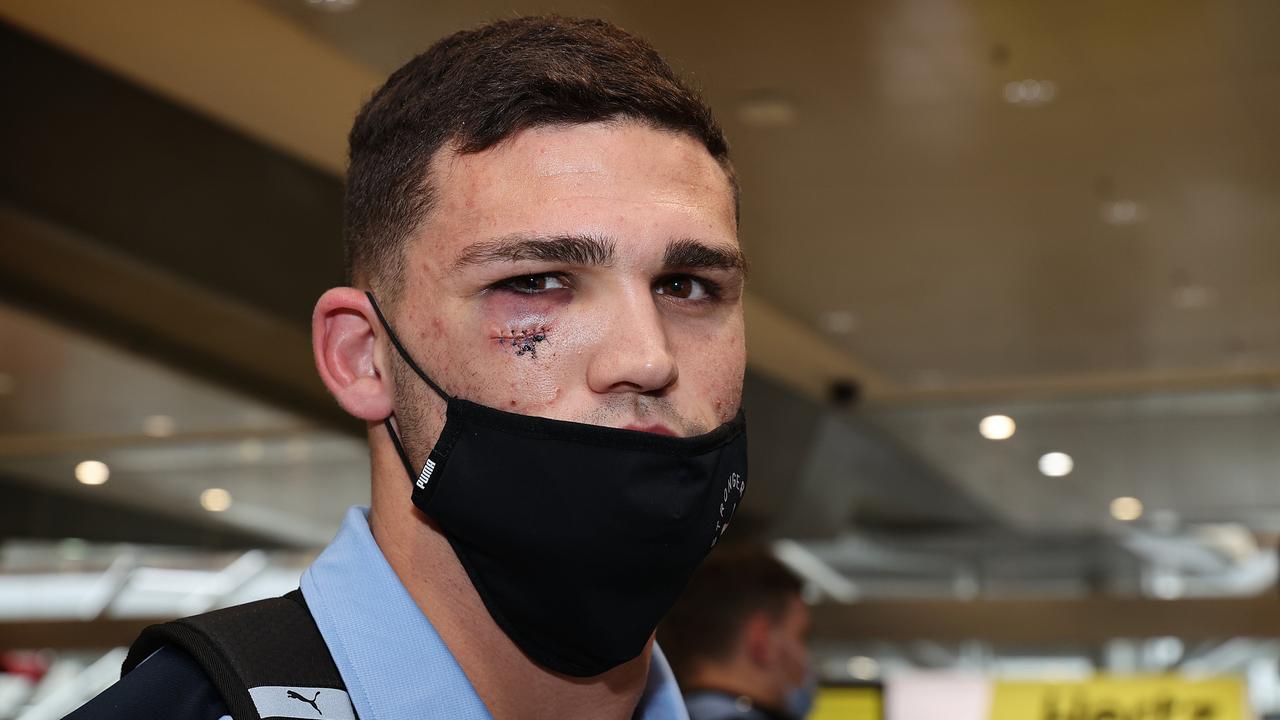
(1014, 320)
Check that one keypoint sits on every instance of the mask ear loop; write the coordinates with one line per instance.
(395, 440)
(395, 341)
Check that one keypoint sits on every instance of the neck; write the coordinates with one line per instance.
(509, 683)
(738, 677)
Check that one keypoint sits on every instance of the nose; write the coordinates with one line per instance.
(634, 356)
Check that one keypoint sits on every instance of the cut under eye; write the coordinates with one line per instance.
(533, 284)
(686, 287)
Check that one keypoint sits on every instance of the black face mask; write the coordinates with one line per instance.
(578, 538)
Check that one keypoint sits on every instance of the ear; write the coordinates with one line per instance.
(757, 638)
(343, 340)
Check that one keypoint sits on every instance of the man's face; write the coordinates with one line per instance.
(585, 272)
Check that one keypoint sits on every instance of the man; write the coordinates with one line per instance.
(544, 335)
(737, 638)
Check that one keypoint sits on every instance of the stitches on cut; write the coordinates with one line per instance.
(524, 342)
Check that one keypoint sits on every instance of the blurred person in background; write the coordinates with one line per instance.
(737, 640)
(544, 336)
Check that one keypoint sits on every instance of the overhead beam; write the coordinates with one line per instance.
(103, 292)
(1038, 622)
(162, 231)
(232, 60)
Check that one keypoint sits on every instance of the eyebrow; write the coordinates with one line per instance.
(567, 249)
(589, 250)
(695, 255)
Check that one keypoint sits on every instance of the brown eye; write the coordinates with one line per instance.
(683, 287)
(533, 283)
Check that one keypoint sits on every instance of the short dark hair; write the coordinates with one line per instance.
(731, 586)
(472, 90)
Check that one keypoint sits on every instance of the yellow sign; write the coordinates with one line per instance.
(1118, 698)
(847, 703)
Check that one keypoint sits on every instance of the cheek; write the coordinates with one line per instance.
(531, 362)
(436, 351)
(712, 367)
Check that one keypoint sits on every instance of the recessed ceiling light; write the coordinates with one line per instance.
(92, 472)
(158, 426)
(997, 427)
(838, 322)
(1056, 464)
(6, 383)
(863, 668)
(1029, 92)
(1121, 212)
(1126, 508)
(215, 499)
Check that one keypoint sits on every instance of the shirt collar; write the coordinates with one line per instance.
(393, 661)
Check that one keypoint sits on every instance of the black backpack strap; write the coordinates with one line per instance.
(267, 659)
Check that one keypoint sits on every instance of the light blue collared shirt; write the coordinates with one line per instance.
(394, 663)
